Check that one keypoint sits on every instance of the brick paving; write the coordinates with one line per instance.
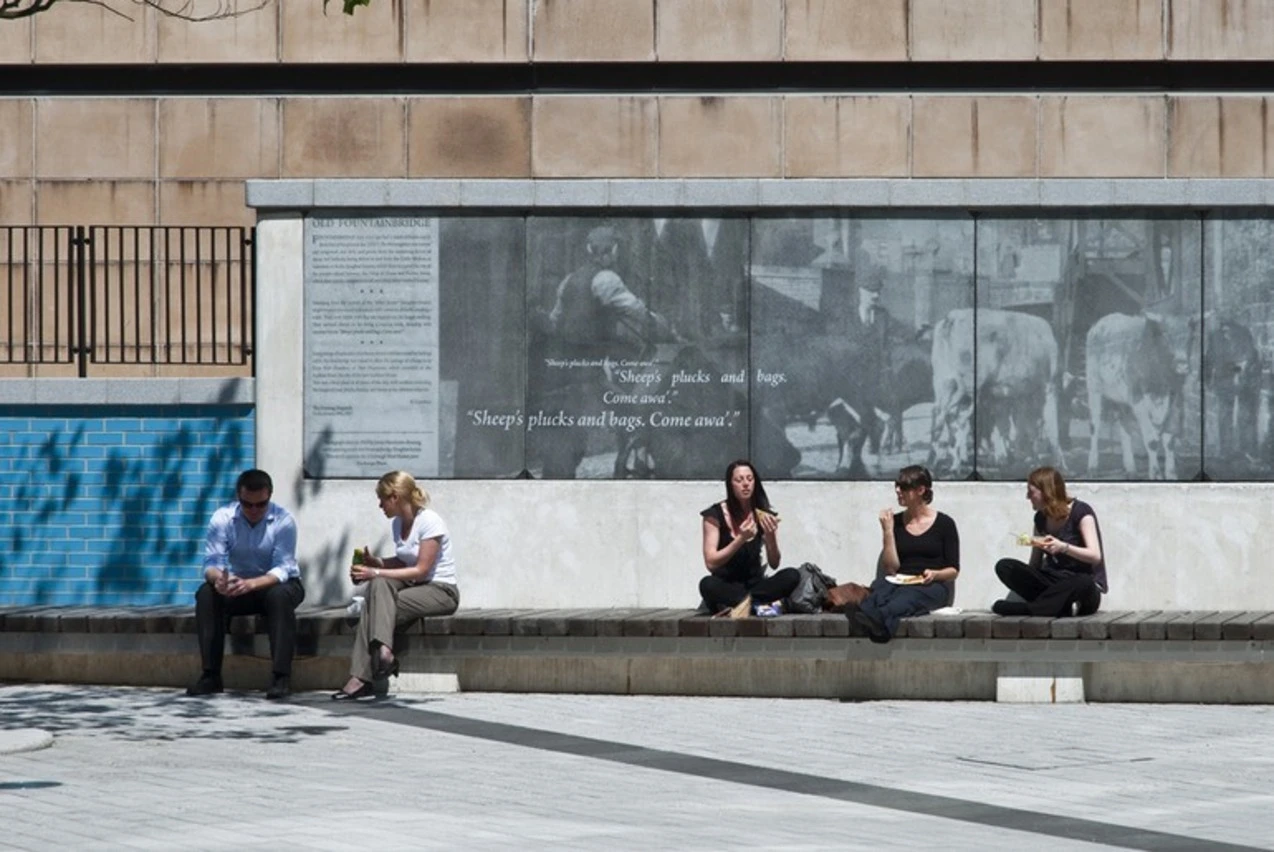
(151, 769)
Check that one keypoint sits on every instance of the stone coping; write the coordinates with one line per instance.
(130, 391)
(760, 194)
(1146, 626)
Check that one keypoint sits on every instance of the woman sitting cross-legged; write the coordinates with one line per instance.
(734, 533)
(919, 560)
(418, 580)
(1067, 571)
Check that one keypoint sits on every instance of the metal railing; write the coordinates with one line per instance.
(111, 294)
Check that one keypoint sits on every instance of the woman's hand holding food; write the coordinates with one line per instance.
(1051, 545)
(370, 567)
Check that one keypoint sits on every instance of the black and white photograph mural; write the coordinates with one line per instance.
(854, 324)
(637, 363)
(483, 341)
(1238, 335)
(415, 345)
(1088, 347)
(560, 347)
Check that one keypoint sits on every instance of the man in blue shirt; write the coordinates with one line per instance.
(249, 568)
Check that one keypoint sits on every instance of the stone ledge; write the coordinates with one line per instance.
(148, 391)
(1209, 657)
(741, 194)
(812, 667)
(1118, 625)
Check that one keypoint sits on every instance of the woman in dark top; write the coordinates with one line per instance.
(920, 546)
(734, 533)
(1067, 571)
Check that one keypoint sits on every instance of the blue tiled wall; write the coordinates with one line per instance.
(107, 505)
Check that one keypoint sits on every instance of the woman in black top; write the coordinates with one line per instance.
(734, 533)
(1067, 571)
(919, 545)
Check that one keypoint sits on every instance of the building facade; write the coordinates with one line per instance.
(157, 121)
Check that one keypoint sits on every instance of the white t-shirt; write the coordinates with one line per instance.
(428, 524)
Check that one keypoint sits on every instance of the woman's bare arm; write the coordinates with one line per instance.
(715, 557)
(888, 559)
(394, 569)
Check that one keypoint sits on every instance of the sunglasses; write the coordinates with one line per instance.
(257, 504)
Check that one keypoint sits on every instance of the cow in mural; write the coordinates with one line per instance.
(908, 381)
(821, 376)
(1135, 368)
(855, 423)
(1015, 387)
(832, 376)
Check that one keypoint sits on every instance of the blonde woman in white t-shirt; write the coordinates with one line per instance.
(418, 580)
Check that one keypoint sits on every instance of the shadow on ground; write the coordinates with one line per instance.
(156, 715)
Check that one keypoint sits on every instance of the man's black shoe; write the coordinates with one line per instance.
(280, 687)
(207, 684)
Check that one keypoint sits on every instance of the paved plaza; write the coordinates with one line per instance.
(152, 769)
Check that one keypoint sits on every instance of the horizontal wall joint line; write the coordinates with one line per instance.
(636, 78)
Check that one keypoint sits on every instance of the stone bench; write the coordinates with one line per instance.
(1197, 656)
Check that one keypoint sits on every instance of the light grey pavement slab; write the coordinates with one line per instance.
(151, 769)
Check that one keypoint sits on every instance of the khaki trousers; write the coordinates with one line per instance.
(389, 604)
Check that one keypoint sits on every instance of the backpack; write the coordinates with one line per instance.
(811, 590)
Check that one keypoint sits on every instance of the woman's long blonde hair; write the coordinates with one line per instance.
(1057, 504)
(404, 485)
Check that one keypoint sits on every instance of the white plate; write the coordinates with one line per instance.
(904, 579)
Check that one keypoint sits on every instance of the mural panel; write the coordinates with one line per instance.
(856, 326)
(1238, 341)
(1128, 348)
(638, 347)
(482, 275)
(1089, 347)
(414, 346)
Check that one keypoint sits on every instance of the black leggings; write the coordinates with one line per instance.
(1047, 592)
(721, 594)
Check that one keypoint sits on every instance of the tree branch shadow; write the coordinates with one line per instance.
(137, 715)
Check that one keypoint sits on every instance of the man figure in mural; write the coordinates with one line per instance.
(880, 345)
(249, 568)
(594, 310)
(595, 320)
(870, 323)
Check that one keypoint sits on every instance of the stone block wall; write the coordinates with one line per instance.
(184, 160)
(148, 154)
(448, 31)
(141, 158)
